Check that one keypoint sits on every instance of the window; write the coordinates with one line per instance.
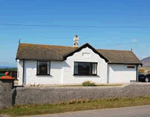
(130, 66)
(85, 68)
(43, 68)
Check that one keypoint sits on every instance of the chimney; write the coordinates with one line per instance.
(75, 41)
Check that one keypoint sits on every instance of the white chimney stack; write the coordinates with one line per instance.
(75, 41)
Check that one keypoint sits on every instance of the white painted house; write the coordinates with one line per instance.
(50, 64)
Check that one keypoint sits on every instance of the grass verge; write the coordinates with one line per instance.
(76, 105)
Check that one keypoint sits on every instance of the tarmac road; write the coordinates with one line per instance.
(139, 111)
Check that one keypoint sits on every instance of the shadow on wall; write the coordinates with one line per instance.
(14, 96)
(66, 65)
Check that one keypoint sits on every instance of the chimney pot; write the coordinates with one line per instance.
(75, 41)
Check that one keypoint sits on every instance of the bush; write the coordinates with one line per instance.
(88, 83)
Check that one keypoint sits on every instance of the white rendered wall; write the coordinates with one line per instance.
(32, 78)
(19, 71)
(121, 74)
(85, 55)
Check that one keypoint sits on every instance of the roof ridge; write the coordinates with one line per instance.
(114, 50)
(73, 47)
(47, 45)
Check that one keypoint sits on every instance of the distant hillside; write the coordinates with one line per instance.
(146, 61)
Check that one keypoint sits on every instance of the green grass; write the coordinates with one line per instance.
(76, 105)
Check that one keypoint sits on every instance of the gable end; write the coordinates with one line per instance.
(84, 46)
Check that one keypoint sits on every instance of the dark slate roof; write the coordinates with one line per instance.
(57, 53)
(42, 52)
(120, 56)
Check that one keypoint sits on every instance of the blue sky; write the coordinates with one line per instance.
(119, 24)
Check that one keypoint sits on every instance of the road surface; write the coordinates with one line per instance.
(139, 111)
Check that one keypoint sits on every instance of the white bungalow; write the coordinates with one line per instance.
(51, 64)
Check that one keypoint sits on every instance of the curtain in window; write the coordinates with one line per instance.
(48, 67)
(75, 68)
(94, 68)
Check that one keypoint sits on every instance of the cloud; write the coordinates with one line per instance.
(134, 40)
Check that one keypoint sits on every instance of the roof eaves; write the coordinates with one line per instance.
(40, 59)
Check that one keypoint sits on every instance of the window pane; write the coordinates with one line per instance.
(43, 68)
(85, 68)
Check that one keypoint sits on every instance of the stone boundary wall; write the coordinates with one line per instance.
(6, 92)
(51, 95)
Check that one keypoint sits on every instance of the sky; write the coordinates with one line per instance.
(105, 24)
